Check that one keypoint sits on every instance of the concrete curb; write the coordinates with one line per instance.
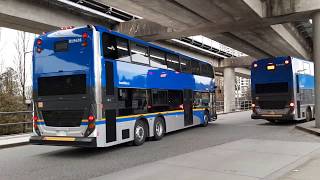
(4, 146)
(14, 140)
(309, 128)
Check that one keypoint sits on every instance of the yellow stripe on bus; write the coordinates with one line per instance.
(165, 112)
(59, 138)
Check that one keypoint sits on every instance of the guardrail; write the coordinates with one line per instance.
(15, 122)
(238, 105)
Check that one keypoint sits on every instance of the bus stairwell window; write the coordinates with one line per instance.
(61, 46)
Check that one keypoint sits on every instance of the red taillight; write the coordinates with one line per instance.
(85, 35)
(39, 42)
(91, 126)
(181, 106)
(286, 62)
(84, 44)
(91, 118)
(35, 118)
(253, 105)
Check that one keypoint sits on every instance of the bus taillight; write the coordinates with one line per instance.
(91, 118)
(291, 104)
(286, 62)
(85, 35)
(255, 65)
(35, 120)
(39, 50)
(39, 42)
(84, 44)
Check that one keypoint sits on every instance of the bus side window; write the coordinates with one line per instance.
(157, 58)
(185, 65)
(175, 99)
(123, 50)
(109, 46)
(139, 53)
(206, 70)
(195, 67)
(173, 62)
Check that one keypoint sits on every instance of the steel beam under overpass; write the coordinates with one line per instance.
(243, 21)
(41, 16)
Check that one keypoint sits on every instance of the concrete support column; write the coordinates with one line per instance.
(316, 59)
(229, 79)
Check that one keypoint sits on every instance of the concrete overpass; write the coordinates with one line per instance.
(254, 27)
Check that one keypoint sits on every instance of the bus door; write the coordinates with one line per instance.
(187, 106)
(110, 104)
(298, 96)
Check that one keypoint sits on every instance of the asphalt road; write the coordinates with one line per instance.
(49, 162)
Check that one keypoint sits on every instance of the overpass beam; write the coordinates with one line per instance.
(316, 59)
(229, 78)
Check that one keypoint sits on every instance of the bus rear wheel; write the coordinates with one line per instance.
(308, 115)
(140, 133)
(158, 128)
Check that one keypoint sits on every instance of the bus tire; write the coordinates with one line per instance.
(140, 133)
(308, 114)
(158, 128)
(206, 119)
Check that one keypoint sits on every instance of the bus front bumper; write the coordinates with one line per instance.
(64, 141)
(285, 117)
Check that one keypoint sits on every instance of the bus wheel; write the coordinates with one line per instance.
(140, 133)
(308, 115)
(158, 128)
(206, 119)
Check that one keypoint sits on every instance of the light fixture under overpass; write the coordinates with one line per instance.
(93, 11)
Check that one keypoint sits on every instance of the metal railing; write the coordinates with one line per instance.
(236, 106)
(15, 122)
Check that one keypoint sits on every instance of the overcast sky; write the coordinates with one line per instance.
(8, 37)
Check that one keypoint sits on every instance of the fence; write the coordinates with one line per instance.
(238, 105)
(21, 121)
(15, 122)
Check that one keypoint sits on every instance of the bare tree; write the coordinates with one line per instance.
(22, 48)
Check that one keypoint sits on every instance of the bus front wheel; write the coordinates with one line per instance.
(140, 133)
(206, 119)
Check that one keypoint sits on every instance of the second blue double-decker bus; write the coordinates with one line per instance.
(95, 87)
(282, 89)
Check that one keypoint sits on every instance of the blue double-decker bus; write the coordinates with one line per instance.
(95, 87)
(282, 89)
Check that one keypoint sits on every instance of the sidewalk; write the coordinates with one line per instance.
(309, 127)
(246, 159)
(307, 171)
(14, 140)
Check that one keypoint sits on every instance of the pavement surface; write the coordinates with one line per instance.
(233, 147)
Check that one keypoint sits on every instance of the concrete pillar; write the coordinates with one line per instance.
(316, 59)
(229, 79)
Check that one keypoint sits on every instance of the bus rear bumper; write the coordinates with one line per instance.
(284, 117)
(64, 141)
